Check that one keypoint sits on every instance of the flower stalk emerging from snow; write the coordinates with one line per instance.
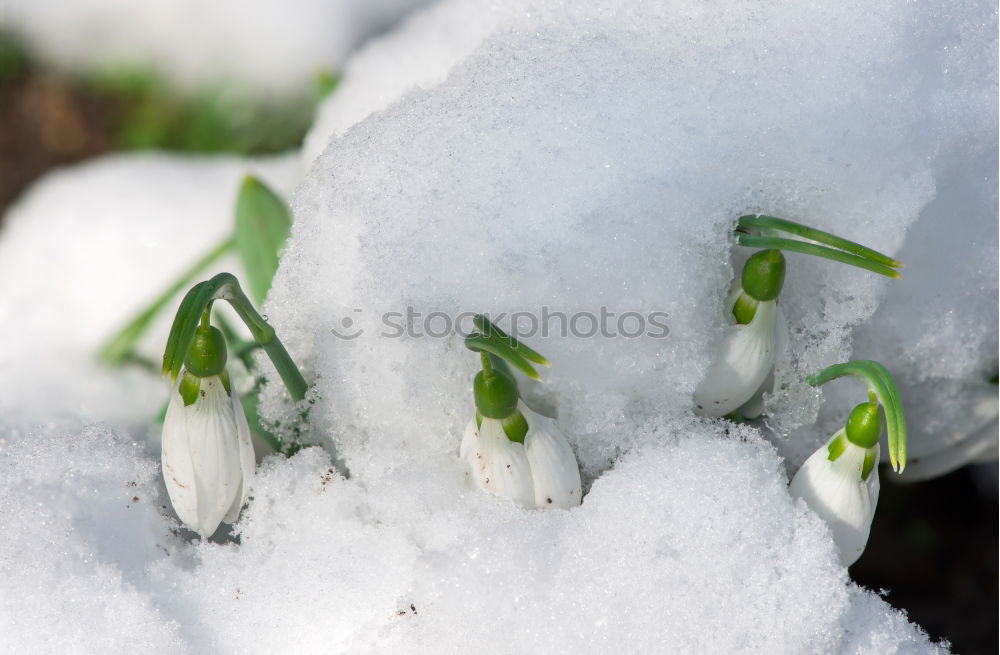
(743, 369)
(511, 450)
(840, 482)
(207, 455)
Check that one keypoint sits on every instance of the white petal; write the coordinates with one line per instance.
(835, 491)
(554, 470)
(469, 439)
(754, 407)
(498, 464)
(247, 460)
(215, 454)
(175, 458)
(201, 457)
(744, 362)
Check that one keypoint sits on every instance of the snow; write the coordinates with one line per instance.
(274, 46)
(518, 157)
(419, 54)
(330, 565)
(534, 174)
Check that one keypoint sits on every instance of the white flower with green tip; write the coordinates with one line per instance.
(540, 472)
(737, 378)
(511, 450)
(206, 452)
(840, 493)
(840, 482)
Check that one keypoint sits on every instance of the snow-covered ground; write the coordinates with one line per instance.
(517, 157)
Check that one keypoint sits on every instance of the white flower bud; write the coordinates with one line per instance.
(836, 492)
(745, 360)
(207, 456)
(542, 472)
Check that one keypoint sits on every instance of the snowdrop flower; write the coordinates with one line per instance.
(741, 372)
(840, 481)
(207, 455)
(511, 450)
(540, 471)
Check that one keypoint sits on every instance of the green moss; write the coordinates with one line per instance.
(156, 116)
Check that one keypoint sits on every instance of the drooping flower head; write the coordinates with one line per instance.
(756, 335)
(840, 482)
(742, 371)
(207, 455)
(511, 450)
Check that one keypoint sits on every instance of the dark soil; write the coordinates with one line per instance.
(933, 549)
(48, 121)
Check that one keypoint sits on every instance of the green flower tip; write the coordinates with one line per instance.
(496, 393)
(764, 275)
(207, 354)
(864, 425)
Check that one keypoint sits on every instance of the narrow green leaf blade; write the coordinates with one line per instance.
(120, 348)
(494, 345)
(807, 248)
(263, 224)
(771, 225)
(489, 328)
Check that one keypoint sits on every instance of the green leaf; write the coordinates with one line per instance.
(773, 226)
(119, 349)
(490, 329)
(262, 227)
(324, 84)
(808, 248)
(495, 345)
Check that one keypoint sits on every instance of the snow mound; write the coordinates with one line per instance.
(589, 165)
(666, 549)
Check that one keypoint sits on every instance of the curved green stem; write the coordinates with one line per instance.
(240, 349)
(225, 286)
(118, 349)
(880, 383)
